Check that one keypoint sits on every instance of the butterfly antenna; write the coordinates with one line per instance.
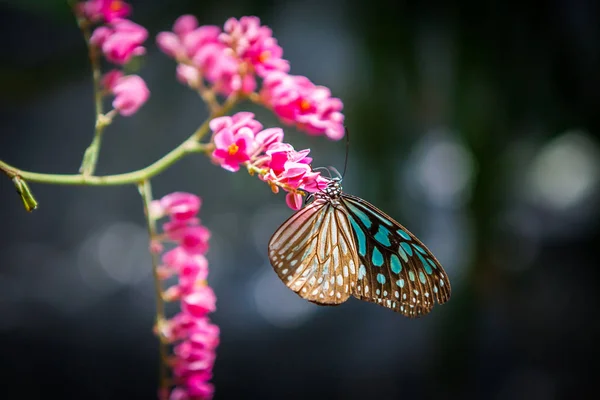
(347, 150)
(323, 168)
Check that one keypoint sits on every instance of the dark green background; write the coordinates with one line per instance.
(475, 124)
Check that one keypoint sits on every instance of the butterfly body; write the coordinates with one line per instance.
(340, 245)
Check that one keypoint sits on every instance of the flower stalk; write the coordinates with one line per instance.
(145, 190)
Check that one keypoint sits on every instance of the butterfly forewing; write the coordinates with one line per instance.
(314, 253)
(395, 270)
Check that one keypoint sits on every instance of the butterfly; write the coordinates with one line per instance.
(340, 245)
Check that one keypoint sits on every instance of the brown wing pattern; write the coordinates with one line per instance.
(314, 253)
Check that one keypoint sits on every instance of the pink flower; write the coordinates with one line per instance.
(104, 10)
(199, 388)
(188, 75)
(294, 201)
(254, 44)
(114, 9)
(292, 168)
(197, 39)
(194, 239)
(100, 35)
(228, 60)
(232, 150)
(200, 46)
(193, 337)
(180, 206)
(185, 24)
(170, 44)
(200, 302)
(189, 274)
(269, 137)
(192, 367)
(237, 121)
(130, 93)
(110, 79)
(296, 100)
(177, 258)
(222, 69)
(120, 41)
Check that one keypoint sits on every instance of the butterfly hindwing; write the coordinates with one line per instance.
(395, 270)
(314, 253)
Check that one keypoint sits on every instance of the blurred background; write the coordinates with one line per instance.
(475, 124)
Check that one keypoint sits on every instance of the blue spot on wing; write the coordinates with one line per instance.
(395, 264)
(425, 264)
(404, 235)
(402, 254)
(364, 218)
(362, 271)
(360, 236)
(377, 257)
(383, 236)
(411, 276)
(419, 249)
(431, 263)
(381, 278)
(407, 248)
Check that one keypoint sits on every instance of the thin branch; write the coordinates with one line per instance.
(190, 145)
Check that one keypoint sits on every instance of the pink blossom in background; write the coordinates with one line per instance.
(188, 75)
(254, 43)
(200, 48)
(110, 79)
(234, 123)
(296, 100)
(229, 60)
(103, 10)
(180, 206)
(199, 302)
(193, 336)
(195, 239)
(120, 40)
(130, 93)
(114, 9)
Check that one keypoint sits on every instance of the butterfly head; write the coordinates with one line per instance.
(333, 190)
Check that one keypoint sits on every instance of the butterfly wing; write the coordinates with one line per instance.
(396, 270)
(314, 253)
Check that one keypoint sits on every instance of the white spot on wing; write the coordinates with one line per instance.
(352, 267)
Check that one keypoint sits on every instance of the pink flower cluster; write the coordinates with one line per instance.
(241, 139)
(228, 60)
(296, 100)
(231, 60)
(194, 337)
(120, 40)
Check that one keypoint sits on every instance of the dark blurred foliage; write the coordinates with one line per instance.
(475, 124)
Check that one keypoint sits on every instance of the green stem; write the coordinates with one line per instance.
(145, 189)
(90, 157)
(190, 145)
